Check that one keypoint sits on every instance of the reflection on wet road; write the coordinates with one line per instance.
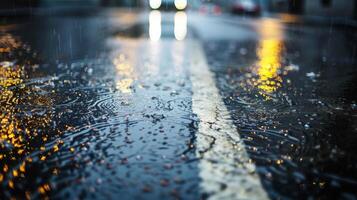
(23, 141)
(180, 25)
(160, 108)
(155, 25)
(267, 73)
(281, 101)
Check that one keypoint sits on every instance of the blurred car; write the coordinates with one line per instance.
(168, 4)
(210, 8)
(246, 7)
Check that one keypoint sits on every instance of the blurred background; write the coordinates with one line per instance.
(346, 9)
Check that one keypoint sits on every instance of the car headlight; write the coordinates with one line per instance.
(155, 4)
(180, 4)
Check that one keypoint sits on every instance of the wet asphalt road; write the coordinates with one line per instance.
(176, 105)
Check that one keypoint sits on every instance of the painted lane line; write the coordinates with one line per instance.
(226, 171)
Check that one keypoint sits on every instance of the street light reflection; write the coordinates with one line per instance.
(269, 64)
(10, 76)
(125, 71)
(7, 43)
(180, 25)
(23, 137)
(124, 85)
(155, 25)
(269, 55)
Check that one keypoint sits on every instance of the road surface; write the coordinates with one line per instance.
(159, 105)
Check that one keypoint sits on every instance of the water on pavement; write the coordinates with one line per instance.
(100, 106)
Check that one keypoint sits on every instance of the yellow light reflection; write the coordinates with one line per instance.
(269, 59)
(155, 25)
(180, 25)
(10, 75)
(11, 128)
(18, 132)
(124, 85)
(125, 72)
(7, 43)
(269, 65)
(122, 66)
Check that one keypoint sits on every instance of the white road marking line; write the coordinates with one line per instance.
(226, 163)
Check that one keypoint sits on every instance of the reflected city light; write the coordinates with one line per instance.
(270, 29)
(269, 55)
(180, 25)
(125, 72)
(22, 136)
(10, 76)
(124, 85)
(155, 25)
(123, 68)
(7, 43)
(269, 64)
